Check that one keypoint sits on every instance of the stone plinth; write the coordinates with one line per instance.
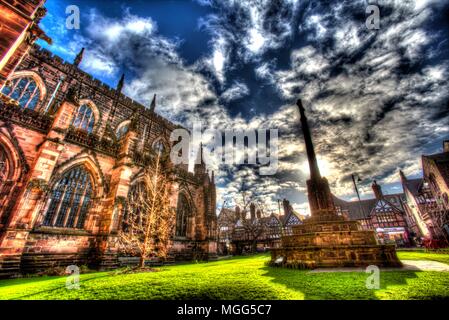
(327, 239)
(320, 242)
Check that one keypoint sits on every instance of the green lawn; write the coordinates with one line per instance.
(237, 278)
(416, 255)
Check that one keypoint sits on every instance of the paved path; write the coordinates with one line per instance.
(413, 265)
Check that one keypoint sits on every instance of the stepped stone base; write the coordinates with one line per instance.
(9, 266)
(321, 242)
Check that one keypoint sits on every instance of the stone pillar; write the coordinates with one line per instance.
(30, 202)
(114, 205)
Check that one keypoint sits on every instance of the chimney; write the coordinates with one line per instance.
(252, 209)
(286, 206)
(377, 190)
(237, 212)
(446, 146)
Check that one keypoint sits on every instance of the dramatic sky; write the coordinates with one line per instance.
(376, 99)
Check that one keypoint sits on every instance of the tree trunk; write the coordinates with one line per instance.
(142, 262)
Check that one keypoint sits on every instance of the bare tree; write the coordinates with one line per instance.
(253, 228)
(149, 218)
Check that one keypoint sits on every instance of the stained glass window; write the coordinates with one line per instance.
(84, 119)
(25, 91)
(159, 146)
(182, 212)
(70, 200)
(122, 131)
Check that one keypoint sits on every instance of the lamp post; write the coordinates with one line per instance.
(354, 176)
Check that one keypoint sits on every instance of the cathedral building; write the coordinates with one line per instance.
(71, 150)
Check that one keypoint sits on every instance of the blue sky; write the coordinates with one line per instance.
(377, 99)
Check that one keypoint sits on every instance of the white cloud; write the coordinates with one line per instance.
(236, 91)
(370, 116)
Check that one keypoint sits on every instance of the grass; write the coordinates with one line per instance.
(416, 255)
(235, 279)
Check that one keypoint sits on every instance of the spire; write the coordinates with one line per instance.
(153, 104)
(79, 58)
(200, 167)
(213, 177)
(199, 158)
(121, 83)
(313, 164)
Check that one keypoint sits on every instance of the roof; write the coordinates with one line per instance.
(226, 214)
(358, 210)
(413, 185)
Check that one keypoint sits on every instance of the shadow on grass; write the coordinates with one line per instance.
(57, 286)
(335, 285)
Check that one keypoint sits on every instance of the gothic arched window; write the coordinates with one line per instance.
(6, 184)
(159, 146)
(135, 211)
(182, 213)
(4, 166)
(84, 118)
(24, 90)
(122, 130)
(70, 200)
